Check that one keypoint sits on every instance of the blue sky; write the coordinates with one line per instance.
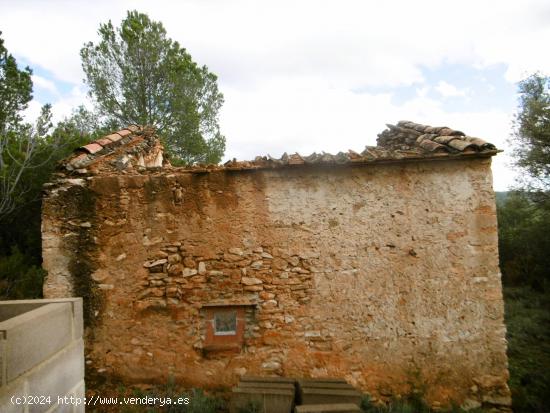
(314, 75)
(459, 87)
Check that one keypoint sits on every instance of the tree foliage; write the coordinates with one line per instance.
(15, 90)
(22, 147)
(25, 149)
(15, 94)
(524, 241)
(532, 133)
(137, 74)
(20, 234)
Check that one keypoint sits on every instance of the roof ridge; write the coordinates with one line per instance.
(87, 154)
(108, 140)
(405, 140)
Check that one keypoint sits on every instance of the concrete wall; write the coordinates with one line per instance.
(41, 355)
(382, 274)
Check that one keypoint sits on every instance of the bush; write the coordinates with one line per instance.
(524, 240)
(251, 407)
(412, 403)
(18, 278)
(528, 333)
(200, 403)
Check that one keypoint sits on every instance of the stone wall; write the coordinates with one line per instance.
(383, 274)
(41, 356)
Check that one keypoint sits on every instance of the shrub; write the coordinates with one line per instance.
(18, 278)
(251, 407)
(199, 403)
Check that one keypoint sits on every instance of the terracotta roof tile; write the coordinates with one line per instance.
(295, 159)
(404, 141)
(401, 142)
(110, 144)
(124, 132)
(104, 141)
(92, 148)
(115, 137)
(410, 135)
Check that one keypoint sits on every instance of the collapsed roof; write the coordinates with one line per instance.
(139, 148)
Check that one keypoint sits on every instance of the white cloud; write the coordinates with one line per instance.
(61, 107)
(41, 82)
(353, 43)
(32, 112)
(287, 67)
(422, 92)
(311, 117)
(447, 90)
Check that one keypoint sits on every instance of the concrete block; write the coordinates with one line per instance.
(61, 408)
(325, 385)
(268, 400)
(60, 374)
(266, 385)
(16, 389)
(34, 336)
(328, 408)
(10, 309)
(329, 396)
(77, 307)
(335, 384)
(79, 391)
(274, 379)
(76, 407)
(321, 380)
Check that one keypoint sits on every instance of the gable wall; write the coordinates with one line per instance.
(380, 274)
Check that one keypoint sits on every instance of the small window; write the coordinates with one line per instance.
(224, 326)
(225, 323)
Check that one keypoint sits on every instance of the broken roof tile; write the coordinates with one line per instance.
(79, 161)
(401, 142)
(430, 139)
(432, 146)
(341, 157)
(461, 145)
(444, 140)
(295, 159)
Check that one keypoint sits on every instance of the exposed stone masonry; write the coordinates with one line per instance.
(276, 283)
(176, 273)
(379, 272)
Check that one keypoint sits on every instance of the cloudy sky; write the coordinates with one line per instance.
(314, 75)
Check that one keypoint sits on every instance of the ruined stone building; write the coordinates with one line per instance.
(380, 267)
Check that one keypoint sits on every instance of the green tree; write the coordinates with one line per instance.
(28, 155)
(25, 148)
(15, 90)
(15, 94)
(20, 234)
(524, 243)
(137, 74)
(532, 133)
